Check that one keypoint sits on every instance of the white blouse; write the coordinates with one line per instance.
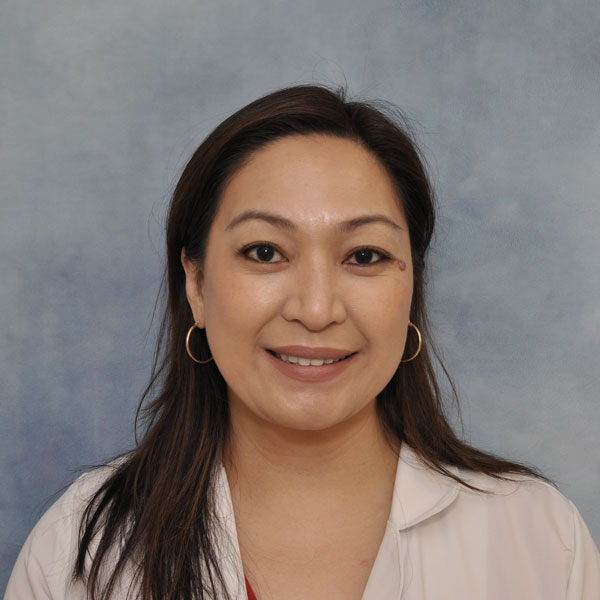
(443, 541)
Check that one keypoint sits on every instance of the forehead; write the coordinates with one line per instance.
(311, 180)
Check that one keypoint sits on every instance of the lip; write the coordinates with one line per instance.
(308, 352)
(308, 373)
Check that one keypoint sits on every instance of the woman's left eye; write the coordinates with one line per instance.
(368, 256)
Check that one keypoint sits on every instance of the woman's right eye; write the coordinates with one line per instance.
(263, 253)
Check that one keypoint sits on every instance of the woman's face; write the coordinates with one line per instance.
(308, 258)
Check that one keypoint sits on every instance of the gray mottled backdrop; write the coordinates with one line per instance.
(102, 103)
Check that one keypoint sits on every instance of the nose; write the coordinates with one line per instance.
(315, 296)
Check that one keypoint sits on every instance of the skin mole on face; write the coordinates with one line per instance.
(401, 264)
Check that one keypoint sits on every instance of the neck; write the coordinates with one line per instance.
(263, 459)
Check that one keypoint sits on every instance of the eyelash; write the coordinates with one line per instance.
(383, 256)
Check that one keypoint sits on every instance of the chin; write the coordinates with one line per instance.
(313, 418)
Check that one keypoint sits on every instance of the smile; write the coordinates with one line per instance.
(316, 365)
(305, 362)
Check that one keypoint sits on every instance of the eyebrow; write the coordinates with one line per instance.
(283, 223)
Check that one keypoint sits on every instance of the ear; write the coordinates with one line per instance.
(193, 288)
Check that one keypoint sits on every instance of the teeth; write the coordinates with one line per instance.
(291, 359)
(305, 362)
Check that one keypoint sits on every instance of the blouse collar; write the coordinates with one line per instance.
(419, 491)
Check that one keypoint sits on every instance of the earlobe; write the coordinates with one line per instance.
(193, 288)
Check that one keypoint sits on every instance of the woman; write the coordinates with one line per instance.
(297, 447)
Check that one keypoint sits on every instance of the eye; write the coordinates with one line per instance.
(368, 256)
(262, 253)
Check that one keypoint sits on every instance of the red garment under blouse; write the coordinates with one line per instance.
(251, 594)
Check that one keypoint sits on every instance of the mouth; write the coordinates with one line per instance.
(311, 364)
(308, 362)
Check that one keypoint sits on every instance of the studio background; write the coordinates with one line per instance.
(102, 103)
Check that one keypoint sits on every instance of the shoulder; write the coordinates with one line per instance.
(422, 492)
(515, 494)
(44, 565)
(65, 514)
(511, 534)
(519, 504)
(513, 489)
(531, 525)
(72, 502)
(523, 505)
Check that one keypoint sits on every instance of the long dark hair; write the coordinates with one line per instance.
(154, 516)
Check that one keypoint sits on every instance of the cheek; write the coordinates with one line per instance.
(388, 302)
(384, 313)
(236, 307)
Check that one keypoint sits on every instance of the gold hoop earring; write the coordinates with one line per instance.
(187, 346)
(418, 347)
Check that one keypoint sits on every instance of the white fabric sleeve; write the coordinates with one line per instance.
(584, 580)
(44, 567)
(27, 580)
